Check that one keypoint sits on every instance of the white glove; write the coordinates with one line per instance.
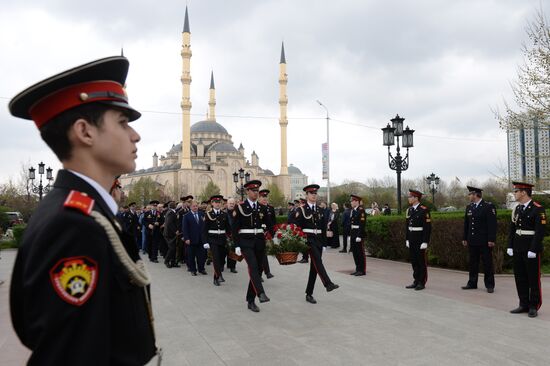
(407, 243)
(357, 240)
(424, 246)
(324, 249)
(510, 252)
(206, 246)
(531, 255)
(238, 251)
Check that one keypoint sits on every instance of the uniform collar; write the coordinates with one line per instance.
(107, 198)
(416, 206)
(527, 203)
(251, 203)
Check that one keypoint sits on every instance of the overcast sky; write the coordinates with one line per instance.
(441, 64)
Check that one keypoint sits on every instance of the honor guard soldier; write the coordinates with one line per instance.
(525, 245)
(310, 218)
(272, 221)
(215, 231)
(418, 228)
(480, 231)
(79, 291)
(358, 219)
(249, 224)
(152, 221)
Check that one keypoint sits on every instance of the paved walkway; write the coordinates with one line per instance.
(370, 320)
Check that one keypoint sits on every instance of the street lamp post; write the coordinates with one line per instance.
(433, 182)
(243, 178)
(328, 154)
(398, 163)
(39, 189)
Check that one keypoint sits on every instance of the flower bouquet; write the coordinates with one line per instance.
(289, 240)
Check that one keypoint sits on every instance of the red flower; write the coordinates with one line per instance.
(292, 226)
(283, 226)
(279, 235)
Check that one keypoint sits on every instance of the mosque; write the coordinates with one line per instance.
(207, 153)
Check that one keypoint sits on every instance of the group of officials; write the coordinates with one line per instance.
(80, 290)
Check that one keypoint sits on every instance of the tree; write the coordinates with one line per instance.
(144, 190)
(276, 196)
(209, 190)
(532, 88)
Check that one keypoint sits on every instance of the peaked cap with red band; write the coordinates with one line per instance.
(312, 188)
(355, 197)
(253, 184)
(216, 197)
(100, 81)
(264, 192)
(415, 193)
(522, 185)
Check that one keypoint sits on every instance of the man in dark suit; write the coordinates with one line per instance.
(346, 216)
(525, 246)
(79, 293)
(192, 227)
(480, 232)
(170, 235)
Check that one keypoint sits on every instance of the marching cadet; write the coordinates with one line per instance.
(310, 218)
(357, 221)
(215, 231)
(480, 231)
(231, 263)
(525, 245)
(79, 291)
(249, 221)
(418, 228)
(272, 221)
(302, 203)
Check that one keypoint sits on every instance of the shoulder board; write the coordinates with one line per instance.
(537, 204)
(80, 201)
(423, 207)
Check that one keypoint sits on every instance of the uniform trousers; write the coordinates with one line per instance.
(196, 257)
(253, 251)
(170, 257)
(527, 276)
(486, 254)
(419, 263)
(265, 265)
(316, 266)
(358, 250)
(345, 237)
(217, 247)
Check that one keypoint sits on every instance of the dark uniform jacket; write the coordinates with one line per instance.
(130, 223)
(291, 215)
(418, 218)
(244, 217)
(71, 299)
(151, 218)
(345, 221)
(480, 223)
(306, 218)
(216, 222)
(271, 217)
(358, 218)
(532, 219)
(170, 225)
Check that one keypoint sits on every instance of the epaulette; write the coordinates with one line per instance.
(537, 204)
(423, 207)
(79, 201)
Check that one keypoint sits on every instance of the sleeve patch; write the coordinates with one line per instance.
(79, 201)
(74, 279)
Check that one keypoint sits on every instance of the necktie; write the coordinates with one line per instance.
(254, 206)
(313, 208)
(196, 217)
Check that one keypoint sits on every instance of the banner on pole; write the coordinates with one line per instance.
(324, 149)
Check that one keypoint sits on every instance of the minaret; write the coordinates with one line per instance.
(212, 101)
(186, 101)
(283, 101)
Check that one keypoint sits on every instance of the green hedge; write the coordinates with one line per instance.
(386, 239)
(18, 231)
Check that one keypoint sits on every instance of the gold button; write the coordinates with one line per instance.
(83, 96)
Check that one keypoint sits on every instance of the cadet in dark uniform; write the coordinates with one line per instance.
(310, 218)
(301, 203)
(215, 231)
(152, 220)
(480, 232)
(418, 226)
(272, 221)
(169, 233)
(79, 291)
(131, 224)
(357, 221)
(290, 214)
(249, 221)
(231, 263)
(525, 245)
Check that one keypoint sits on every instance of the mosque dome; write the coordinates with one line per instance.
(293, 170)
(208, 127)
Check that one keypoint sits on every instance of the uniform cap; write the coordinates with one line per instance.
(474, 189)
(99, 81)
(415, 193)
(522, 185)
(312, 188)
(355, 197)
(216, 197)
(264, 192)
(252, 184)
(154, 202)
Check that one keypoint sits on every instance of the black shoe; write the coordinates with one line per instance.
(252, 306)
(269, 275)
(203, 272)
(360, 274)
(154, 260)
(262, 279)
(176, 266)
(194, 273)
(353, 273)
(263, 297)
(221, 279)
(216, 282)
(519, 310)
(412, 285)
(468, 287)
(490, 290)
(331, 286)
(233, 270)
(168, 265)
(533, 313)
(343, 251)
(208, 262)
(311, 299)
(303, 260)
(419, 287)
